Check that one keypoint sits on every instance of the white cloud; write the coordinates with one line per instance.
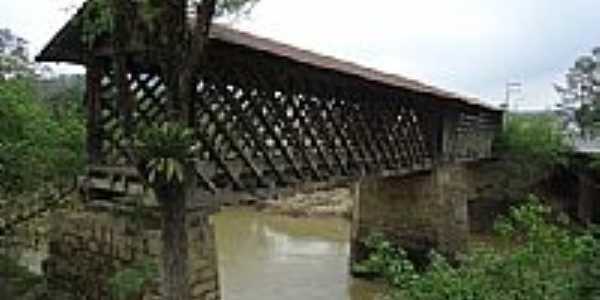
(469, 46)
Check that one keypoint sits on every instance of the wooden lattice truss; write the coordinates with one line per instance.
(262, 125)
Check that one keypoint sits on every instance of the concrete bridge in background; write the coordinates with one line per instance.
(269, 117)
(589, 146)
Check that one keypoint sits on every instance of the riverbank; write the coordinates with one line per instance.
(335, 202)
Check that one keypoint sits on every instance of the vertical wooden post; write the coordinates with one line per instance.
(93, 86)
(447, 135)
(438, 137)
(125, 101)
(120, 40)
(433, 119)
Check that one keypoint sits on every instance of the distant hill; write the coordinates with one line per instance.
(54, 88)
(536, 113)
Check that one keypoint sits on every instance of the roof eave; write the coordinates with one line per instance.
(67, 46)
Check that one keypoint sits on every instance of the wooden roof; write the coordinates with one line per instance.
(67, 46)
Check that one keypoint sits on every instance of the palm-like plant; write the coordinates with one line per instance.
(163, 151)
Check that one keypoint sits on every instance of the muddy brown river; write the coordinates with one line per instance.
(273, 257)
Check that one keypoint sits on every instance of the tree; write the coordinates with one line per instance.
(14, 57)
(38, 148)
(41, 137)
(175, 35)
(531, 147)
(580, 105)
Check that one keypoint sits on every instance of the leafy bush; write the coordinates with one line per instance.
(545, 261)
(590, 269)
(531, 148)
(37, 146)
(131, 281)
(535, 140)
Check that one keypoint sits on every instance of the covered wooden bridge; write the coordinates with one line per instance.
(269, 116)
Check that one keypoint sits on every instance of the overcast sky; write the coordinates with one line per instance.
(472, 47)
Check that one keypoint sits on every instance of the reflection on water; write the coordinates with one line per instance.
(269, 257)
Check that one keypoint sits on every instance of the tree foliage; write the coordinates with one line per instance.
(41, 125)
(234, 7)
(531, 149)
(14, 57)
(580, 94)
(546, 261)
(533, 141)
(39, 145)
(42, 133)
(164, 150)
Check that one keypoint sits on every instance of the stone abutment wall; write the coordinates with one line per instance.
(88, 248)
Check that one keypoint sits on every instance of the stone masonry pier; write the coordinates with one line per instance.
(417, 212)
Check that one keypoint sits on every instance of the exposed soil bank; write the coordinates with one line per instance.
(335, 202)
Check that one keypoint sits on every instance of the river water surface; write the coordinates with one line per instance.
(273, 257)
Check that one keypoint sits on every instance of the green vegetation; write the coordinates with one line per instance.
(42, 132)
(41, 124)
(131, 281)
(535, 142)
(40, 145)
(164, 150)
(542, 260)
(531, 148)
(580, 95)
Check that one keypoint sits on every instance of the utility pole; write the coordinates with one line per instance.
(511, 88)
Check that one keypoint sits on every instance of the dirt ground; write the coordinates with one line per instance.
(334, 202)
